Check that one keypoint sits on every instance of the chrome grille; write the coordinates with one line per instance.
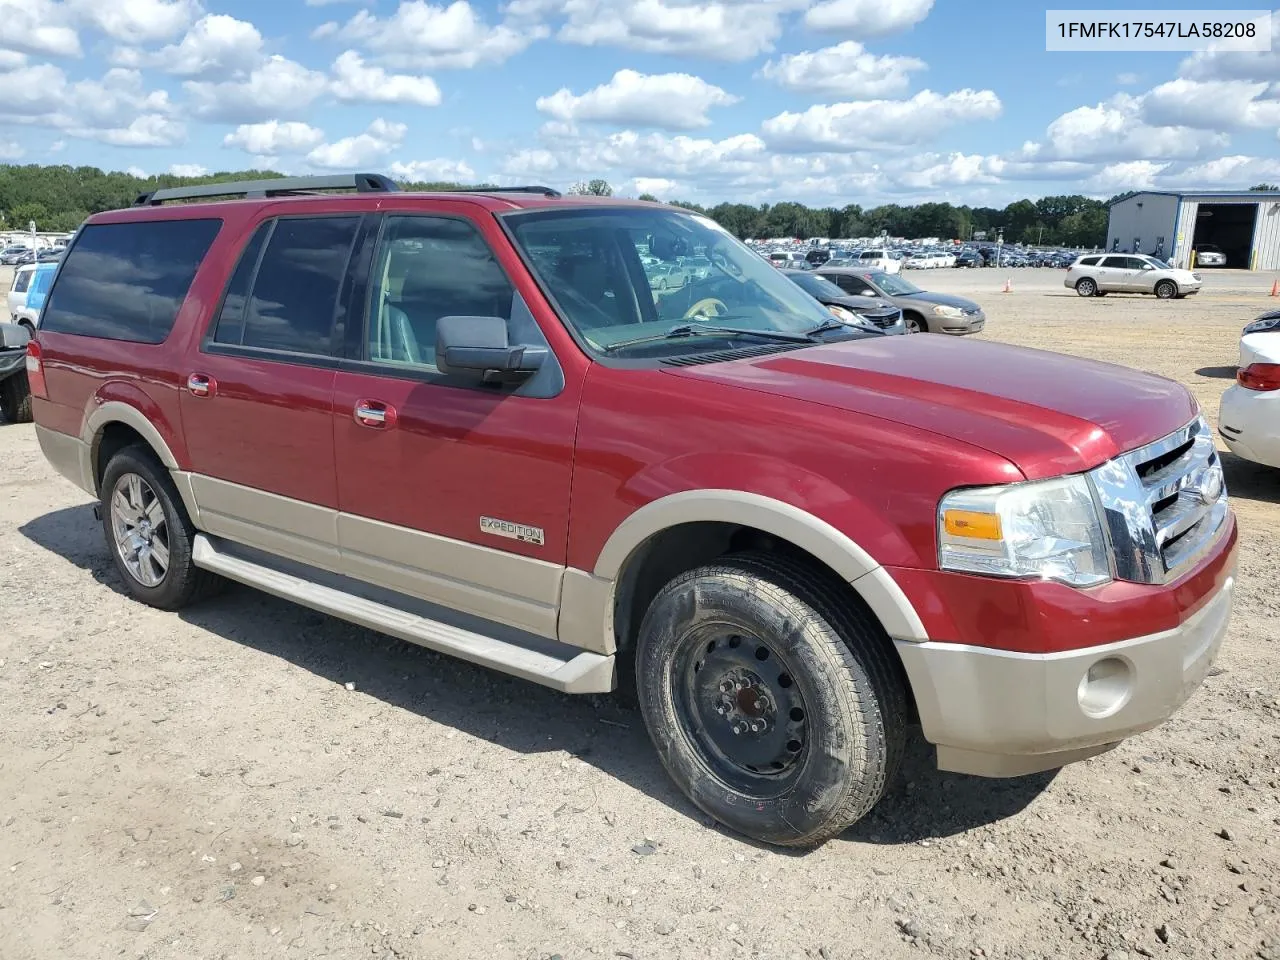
(1164, 504)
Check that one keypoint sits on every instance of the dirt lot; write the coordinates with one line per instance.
(206, 785)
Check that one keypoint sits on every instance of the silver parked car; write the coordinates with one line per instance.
(1098, 274)
(922, 311)
(1209, 255)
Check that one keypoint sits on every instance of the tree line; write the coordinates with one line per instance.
(61, 197)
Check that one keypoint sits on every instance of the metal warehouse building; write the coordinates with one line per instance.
(1245, 226)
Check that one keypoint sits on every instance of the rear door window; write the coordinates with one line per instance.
(127, 281)
(293, 304)
(22, 280)
(1089, 261)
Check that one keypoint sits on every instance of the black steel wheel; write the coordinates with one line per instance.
(775, 702)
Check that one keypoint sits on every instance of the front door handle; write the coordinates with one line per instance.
(375, 414)
(201, 385)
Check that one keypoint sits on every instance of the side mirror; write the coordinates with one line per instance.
(478, 346)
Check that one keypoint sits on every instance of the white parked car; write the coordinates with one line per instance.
(18, 290)
(917, 261)
(878, 258)
(1099, 274)
(1249, 415)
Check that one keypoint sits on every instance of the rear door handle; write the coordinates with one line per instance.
(375, 414)
(201, 385)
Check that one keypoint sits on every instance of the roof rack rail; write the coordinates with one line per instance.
(530, 188)
(360, 182)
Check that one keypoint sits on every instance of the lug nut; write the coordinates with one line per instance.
(726, 686)
(761, 703)
(756, 727)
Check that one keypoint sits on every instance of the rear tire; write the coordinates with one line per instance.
(149, 533)
(1086, 287)
(775, 704)
(15, 398)
(1166, 289)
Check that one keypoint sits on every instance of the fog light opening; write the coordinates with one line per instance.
(1105, 687)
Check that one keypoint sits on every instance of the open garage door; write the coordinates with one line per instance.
(1227, 227)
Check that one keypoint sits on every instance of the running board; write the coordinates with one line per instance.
(582, 672)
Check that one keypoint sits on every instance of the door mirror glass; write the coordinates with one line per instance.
(479, 346)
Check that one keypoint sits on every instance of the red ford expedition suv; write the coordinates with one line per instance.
(468, 420)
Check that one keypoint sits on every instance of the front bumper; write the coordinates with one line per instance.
(959, 326)
(1000, 713)
(1249, 424)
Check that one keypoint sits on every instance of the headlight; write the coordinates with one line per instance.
(1049, 529)
(845, 315)
(1262, 324)
(944, 310)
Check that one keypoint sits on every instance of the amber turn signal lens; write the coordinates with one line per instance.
(968, 523)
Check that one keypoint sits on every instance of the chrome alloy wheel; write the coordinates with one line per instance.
(140, 530)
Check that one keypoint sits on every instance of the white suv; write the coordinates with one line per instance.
(879, 259)
(1101, 273)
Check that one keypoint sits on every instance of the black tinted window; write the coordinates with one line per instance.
(231, 318)
(126, 281)
(853, 285)
(295, 294)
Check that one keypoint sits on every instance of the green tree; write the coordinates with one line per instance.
(648, 196)
(592, 188)
(1264, 187)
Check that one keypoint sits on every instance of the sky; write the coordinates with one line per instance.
(823, 101)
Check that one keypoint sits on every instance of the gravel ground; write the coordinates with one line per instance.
(250, 779)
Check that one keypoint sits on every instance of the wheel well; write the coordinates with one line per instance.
(671, 552)
(113, 438)
(919, 318)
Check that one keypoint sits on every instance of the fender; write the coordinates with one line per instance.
(108, 411)
(785, 521)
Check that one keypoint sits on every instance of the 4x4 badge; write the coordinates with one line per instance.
(512, 531)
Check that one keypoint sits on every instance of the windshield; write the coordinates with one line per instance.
(816, 286)
(607, 270)
(895, 286)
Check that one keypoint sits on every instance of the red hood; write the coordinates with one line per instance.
(1047, 413)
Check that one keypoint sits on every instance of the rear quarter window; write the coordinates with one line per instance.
(127, 281)
(1088, 262)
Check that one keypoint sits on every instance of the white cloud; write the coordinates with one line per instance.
(1219, 64)
(12, 60)
(11, 150)
(845, 70)
(274, 137)
(137, 21)
(424, 35)
(148, 130)
(1128, 79)
(136, 171)
(433, 171)
(870, 124)
(1211, 104)
(38, 26)
(215, 44)
(669, 101)
(117, 109)
(718, 30)
(188, 170)
(1233, 171)
(276, 88)
(361, 150)
(354, 82)
(1115, 130)
(57, 146)
(867, 18)
(1129, 175)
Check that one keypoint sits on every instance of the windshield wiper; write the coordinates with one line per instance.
(828, 325)
(705, 330)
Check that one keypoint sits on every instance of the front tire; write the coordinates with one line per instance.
(149, 533)
(773, 702)
(1166, 289)
(915, 323)
(1085, 287)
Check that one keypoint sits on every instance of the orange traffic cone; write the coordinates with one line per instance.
(1008, 286)
(1275, 288)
